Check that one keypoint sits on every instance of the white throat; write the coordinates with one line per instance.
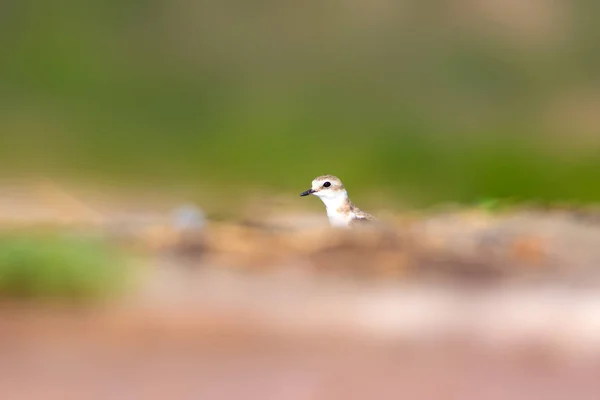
(333, 202)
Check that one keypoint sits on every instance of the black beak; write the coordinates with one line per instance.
(309, 191)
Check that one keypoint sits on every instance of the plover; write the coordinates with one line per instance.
(340, 210)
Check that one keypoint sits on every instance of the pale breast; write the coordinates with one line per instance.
(338, 220)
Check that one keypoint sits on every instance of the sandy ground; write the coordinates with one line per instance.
(263, 339)
(456, 305)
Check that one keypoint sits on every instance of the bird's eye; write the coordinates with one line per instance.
(327, 184)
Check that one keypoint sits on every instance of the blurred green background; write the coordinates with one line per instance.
(420, 101)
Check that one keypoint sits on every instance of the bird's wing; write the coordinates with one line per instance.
(360, 217)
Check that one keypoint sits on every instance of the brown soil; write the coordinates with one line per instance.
(457, 305)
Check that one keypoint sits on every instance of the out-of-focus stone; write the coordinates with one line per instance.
(529, 250)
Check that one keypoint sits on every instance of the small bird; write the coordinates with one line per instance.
(340, 210)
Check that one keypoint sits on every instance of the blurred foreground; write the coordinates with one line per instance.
(118, 291)
(453, 304)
